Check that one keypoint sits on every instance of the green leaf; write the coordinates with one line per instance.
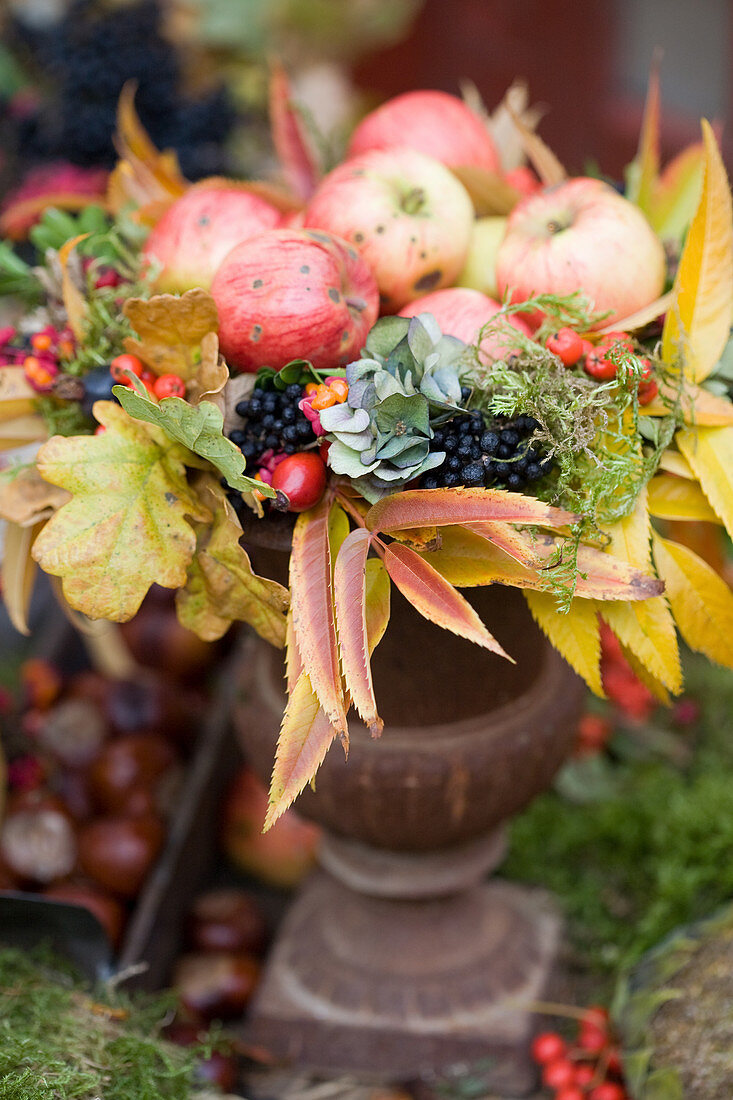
(198, 427)
(385, 335)
(124, 527)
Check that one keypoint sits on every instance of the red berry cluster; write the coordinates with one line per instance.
(158, 386)
(39, 355)
(600, 360)
(592, 734)
(589, 1068)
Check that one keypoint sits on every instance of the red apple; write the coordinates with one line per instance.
(462, 312)
(293, 293)
(435, 123)
(199, 229)
(407, 214)
(582, 235)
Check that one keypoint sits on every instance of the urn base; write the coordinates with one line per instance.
(406, 988)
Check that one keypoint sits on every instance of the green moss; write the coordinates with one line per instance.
(62, 1041)
(651, 852)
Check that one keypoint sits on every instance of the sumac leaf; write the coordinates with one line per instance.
(440, 507)
(350, 600)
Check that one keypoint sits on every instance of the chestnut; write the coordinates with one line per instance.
(215, 985)
(227, 920)
(38, 844)
(73, 732)
(118, 852)
(123, 777)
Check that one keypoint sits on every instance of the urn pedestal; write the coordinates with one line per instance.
(398, 957)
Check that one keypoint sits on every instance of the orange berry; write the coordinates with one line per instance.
(323, 399)
(41, 341)
(310, 388)
(339, 387)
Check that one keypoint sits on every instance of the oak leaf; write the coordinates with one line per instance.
(171, 331)
(222, 587)
(125, 527)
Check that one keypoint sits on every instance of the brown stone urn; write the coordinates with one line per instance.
(398, 958)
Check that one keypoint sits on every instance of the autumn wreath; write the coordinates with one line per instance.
(183, 376)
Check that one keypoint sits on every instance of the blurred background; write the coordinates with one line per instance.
(201, 71)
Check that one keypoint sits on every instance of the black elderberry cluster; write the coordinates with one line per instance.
(272, 421)
(481, 455)
(87, 57)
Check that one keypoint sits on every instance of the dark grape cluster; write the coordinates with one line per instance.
(272, 422)
(88, 57)
(483, 455)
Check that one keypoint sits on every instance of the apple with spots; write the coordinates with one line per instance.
(290, 294)
(408, 215)
(582, 235)
(196, 232)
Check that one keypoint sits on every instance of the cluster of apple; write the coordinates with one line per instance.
(392, 229)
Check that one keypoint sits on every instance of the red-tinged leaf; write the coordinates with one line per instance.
(313, 617)
(434, 598)
(441, 507)
(349, 584)
(644, 170)
(290, 137)
(600, 575)
(305, 737)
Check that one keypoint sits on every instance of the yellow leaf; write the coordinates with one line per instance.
(698, 325)
(18, 572)
(172, 331)
(701, 601)
(642, 673)
(709, 452)
(17, 396)
(490, 193)
(699, 407)
(678, 498)
(25, 498)
(21, 430)
(645, 627)
(222, 587)
(125, 527)
(576, 636)
(678, 192)
(74, 301)
(675, 463)
(645, 167)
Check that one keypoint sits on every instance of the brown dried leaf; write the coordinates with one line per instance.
(172, 331)
(143, 174)
(211, 377)
(21, 430)
(501, 124)
(237, 389)
(17, 396)
(18, 572)
(490, 194)
(26, 499)
(542, 158)
(74, 301)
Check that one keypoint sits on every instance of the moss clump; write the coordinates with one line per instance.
(651, 852)
(60, 1040)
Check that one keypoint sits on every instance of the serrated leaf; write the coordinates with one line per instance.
(290, 137)
(709, 451)
(142, 175)
(675, 463)
(644, 169)
(599, 575)
(646, 627)
(200, 428)
(17, 571)
(125, 527)
(312, 608)
(26, 499)
(699, 407)
(434, 598)
(576, 636)
(699, 322)
(349, 585)
(74, 301)
(376, 601)
(440, 507)
(222, 587)
(678, 498)
(643, 674)
(338, 529)
(701, 601)
(171, 330)
(677, 193)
